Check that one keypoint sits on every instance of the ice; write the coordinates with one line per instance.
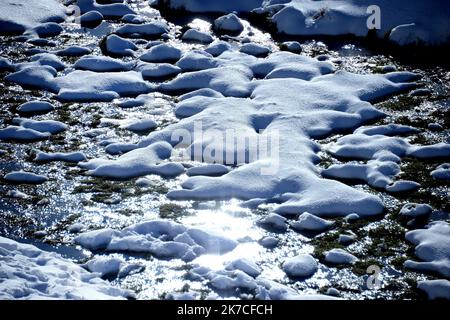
(35, 107)
(102, 64)
(17, 16)
(162, 238)
(44, 126)
(162, 53)
(432, 248)
(442, 172)
(301, 266)
(254, 49)
(229, 23)
(208, 170)
(339, 257)
(197, 36)
(136, 163)
(309, 222)
(24, 177)
(27, 272)
(113, 10)
(119, 46)
(15, 133)
(435, 289)
(60, 156)
(416, 210)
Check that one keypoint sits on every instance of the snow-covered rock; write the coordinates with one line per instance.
(300, 266)
(48, 59)
(35, 107)
(24, 177)
(162, 53)
(16, 133)
(414, 210)
(142, 125)
(197, 36)
(119, 46)
(27, 272)
(213, 6)
(208, 170)
(102, 64)
(435, 289)
(245, 265)
(432, 247)
(91, 19)
(59, 156)
(309, 222)
(109, 10)
(339, 257)
(157, 70)
(274, 222)
(146, 30)
(229, 23)
(442, 172)
(254, 49)
(44, 126)
(73, 51)
(218, 47)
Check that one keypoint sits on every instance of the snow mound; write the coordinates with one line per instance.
(59, 156)
(162, 53)
(73, 51)
(301, 266)
(35, 107)
(442, 172)
(44, 126)
(102, 64)
(254, 49)
(18, 16)
(416, 210)
(309, 222)
(339, 257)
(432, 247)
(27, 272)
(142, 125)
(15, 133)
(112, 10)
(435, 289)
(91, 19)
(157, 70)
(274, 222)
(161, 238)
(229, 23)
(48, 59)
(25, 177)
(244, 265)
(146, 30)
(136, 163)
(213, 6)
(197, 36)
(118, 46)
(208, 170)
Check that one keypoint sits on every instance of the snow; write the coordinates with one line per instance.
(142, 125)
(161, 238)
(24, 177)
(214, 6)
(254, 49)
(48, 59)
(17, 16)
(274, 222)
(208, 170)
(339, 257)
(442, 172)
(146, 30)
(36, 77)
(269, 242)
(432, 248)
(415, 210)
(401, 22)
(292, 46)
(157, 70)
(27, 272)
(218, 47)
(197, 36)
(44, 126)
(309, 222)
(118, 46)
(73, 51)
(435, 289)
(15, 133)
(112, 10)
(244, 265)
(16, 194)
(346, 239)
(91, 19)
(104, 266)
(35, 107)
(162, 53)
(229, 23)
(48, 29)
(102, 64)
(136, 163)
(60, 156)
(301, 266)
